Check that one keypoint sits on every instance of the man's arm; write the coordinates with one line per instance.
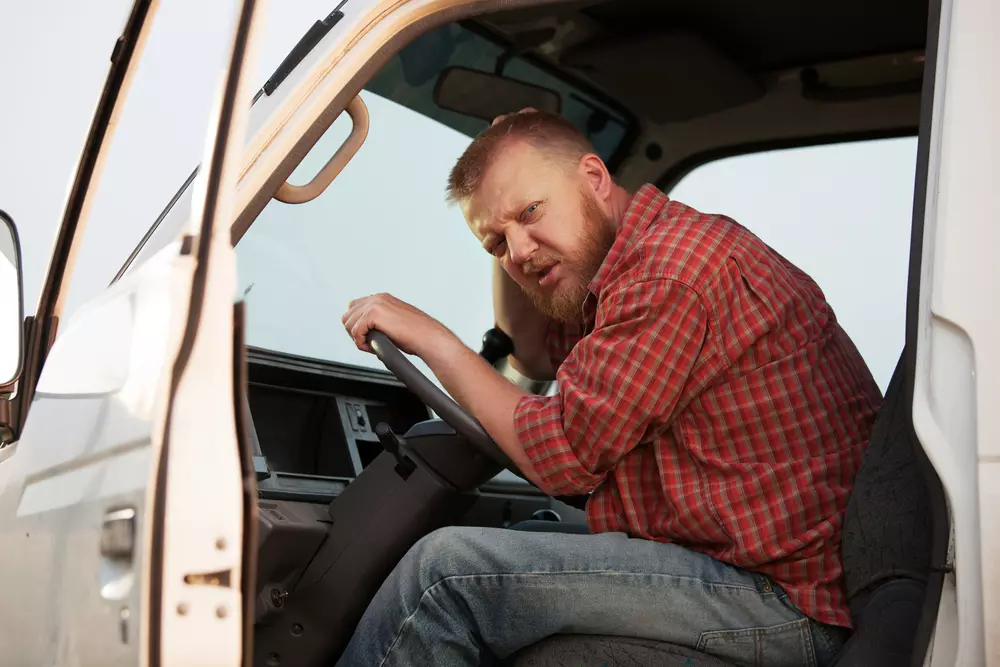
(470, 380)
(618, 381)
(484, 393)
(528, 328)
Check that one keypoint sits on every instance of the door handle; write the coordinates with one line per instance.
(118, 534)
(118, 544)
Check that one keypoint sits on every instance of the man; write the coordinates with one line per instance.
(707, 399)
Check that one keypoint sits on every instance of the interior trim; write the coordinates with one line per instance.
(248, 583)
(941, 524)
(300, 194)
(632, 124)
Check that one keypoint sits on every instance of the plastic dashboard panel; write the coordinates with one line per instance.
(315, 421)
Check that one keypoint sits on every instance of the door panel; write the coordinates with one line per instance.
(87, 452)
(957, 363)
(128, 469)
(197, 518)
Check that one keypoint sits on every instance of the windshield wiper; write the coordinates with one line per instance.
(316, 32)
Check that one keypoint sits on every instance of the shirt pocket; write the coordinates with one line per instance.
(785, 645)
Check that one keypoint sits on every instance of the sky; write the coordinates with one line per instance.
(841, 212)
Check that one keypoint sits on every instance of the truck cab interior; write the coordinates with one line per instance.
(355, 463)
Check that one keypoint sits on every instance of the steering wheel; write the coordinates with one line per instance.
(451, 412)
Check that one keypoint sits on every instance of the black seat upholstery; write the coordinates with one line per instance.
(887, 539)
(886, 553)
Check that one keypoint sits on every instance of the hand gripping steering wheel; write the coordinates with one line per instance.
(436, 399)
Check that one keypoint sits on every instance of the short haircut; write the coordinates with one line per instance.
(545, 131)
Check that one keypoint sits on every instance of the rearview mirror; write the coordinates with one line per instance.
(11, 301)
(486, 96)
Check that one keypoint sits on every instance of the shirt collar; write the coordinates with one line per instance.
(643, 208)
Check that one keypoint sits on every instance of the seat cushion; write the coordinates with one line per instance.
(609, 651)
(886, 626)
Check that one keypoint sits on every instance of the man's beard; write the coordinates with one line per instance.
(565, 302)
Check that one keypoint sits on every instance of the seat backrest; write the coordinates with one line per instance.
(887, 537)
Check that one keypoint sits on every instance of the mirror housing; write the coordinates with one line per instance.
(485, 95)
(11, 305)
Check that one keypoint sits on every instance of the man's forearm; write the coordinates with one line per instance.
(515, 314)
(478, 388)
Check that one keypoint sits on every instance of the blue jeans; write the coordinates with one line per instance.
(464, 596)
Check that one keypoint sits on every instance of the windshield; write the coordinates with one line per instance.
(383, 225)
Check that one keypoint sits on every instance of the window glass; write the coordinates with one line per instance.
(158, 132)
(842, 213)
(383, 225)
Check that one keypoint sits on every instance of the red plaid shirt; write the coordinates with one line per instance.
(708, 398)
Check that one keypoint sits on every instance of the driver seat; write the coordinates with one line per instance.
(886, 547)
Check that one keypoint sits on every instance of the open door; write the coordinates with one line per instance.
(122, 496)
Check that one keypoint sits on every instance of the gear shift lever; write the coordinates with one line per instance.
(496, 346)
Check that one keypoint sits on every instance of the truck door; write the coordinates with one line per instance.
(122, 483)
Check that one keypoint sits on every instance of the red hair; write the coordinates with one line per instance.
(547, 132)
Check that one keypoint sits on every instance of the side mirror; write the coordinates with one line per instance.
(486, 96)
(11, 302)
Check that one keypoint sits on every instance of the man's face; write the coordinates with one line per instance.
(543, 222)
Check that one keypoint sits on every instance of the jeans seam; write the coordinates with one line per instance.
(831, 643)
(427, 592)
(811, 646)
(614, 573)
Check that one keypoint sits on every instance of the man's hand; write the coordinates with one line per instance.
(411, 329)
(473, 383)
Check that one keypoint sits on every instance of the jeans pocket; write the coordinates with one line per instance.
(788, 644)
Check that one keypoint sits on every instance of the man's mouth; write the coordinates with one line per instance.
(545, 275)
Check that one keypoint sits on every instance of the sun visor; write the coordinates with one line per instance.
(666, 77)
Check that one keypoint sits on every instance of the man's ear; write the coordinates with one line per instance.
(595, 173)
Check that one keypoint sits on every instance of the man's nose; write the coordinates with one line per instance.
(521, 247)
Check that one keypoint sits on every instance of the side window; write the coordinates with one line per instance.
(156, 138)
(842, 213)
(383, 225)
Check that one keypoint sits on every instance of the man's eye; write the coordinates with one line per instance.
(528, 211)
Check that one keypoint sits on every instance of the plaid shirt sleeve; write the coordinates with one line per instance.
(618, 380)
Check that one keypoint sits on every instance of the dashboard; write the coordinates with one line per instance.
(314, 424)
